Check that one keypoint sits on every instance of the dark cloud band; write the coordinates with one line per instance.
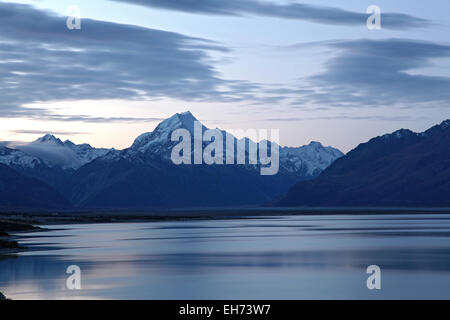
(42, 60)
(295, 11)
(43, 132)
(45, 61)
(380, 73)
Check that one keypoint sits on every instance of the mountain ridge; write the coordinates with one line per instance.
(403, 168)
(148, 160)
(143, 174)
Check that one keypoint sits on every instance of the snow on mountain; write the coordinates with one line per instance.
(445, 124)
(307, 161)
(49, 139)
(162, 133)
(17, 158)
(406, 133)
(400, 134)
(84, 152)
(53, 152)
(157, 142)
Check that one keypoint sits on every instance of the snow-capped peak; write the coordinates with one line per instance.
(187, 120)
(49, 139)
(403, 133)
(162, 132)
(53, 152)
(69, 143)
(315, 144)
(183, 120)
(308, 160)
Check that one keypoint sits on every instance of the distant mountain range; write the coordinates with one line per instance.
(66, 155)
(399, 169)
(143, 176)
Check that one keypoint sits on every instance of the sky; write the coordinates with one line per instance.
(313, 70)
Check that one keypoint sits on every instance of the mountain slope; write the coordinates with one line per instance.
(66, 155)
(399, 169)
(48, 159)
(124, 184)
(144, 175)
(308, 161)
(20, 192)
(33, 167)
(302, 163)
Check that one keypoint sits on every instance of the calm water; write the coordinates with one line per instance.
(287, 257)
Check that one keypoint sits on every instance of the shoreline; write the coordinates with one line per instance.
(8, 245)
(17, 222)
(26, 221)
(92, 216)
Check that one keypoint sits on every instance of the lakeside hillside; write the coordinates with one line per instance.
(18, 191)
(399, 169)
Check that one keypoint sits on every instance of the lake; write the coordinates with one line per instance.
(282, 257)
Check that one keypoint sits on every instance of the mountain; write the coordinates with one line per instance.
(399, 169)
(308, 161)
(84, 153)
(304, 162)
(159, 139)
(156, 183)
(66, 155)
(20, 192)
(13, 157)
(33, 167)
(144, 176)
(48, 159)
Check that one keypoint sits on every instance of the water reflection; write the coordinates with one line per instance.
(289, 257)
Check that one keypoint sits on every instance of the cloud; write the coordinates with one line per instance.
(90, 119)
(41, 61)
(379, 73)
(294, 11)
(51, 154)
(345, 117)
(43, 132)
(49, 115)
